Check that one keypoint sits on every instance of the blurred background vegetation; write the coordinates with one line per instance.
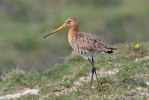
(23, 23)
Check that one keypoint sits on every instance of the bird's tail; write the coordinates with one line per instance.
(111, 50)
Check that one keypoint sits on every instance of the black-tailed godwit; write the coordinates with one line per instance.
(86, 44)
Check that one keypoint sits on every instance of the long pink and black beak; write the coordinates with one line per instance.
(61, 27)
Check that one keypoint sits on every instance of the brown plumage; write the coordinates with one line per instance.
(89, 44)
(86, 44)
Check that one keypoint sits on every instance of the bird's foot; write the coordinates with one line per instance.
(100, 87)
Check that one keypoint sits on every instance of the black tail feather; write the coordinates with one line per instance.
(111, 50)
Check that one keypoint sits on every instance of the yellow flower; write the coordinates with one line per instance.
(136, 46)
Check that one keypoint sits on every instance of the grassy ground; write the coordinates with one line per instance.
(123, 77)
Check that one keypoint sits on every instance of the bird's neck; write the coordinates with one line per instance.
(72, 31)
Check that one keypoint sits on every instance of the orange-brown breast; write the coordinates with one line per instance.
(72, 31)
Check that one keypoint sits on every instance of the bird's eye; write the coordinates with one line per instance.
(68, 21)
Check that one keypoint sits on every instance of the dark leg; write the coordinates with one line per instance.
(93, 71)
(93, 68)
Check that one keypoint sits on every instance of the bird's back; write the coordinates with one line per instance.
(87, 44)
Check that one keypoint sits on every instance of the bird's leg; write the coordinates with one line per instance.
(93, 71)
(93, 68)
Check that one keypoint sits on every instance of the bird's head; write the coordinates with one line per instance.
(70, 22)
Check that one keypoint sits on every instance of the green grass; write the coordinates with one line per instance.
(61, 79)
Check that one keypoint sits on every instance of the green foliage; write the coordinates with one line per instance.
(120, 74)
(24, 23)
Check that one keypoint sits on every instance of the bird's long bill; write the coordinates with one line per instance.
(61, 27)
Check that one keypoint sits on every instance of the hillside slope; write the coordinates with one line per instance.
(124, 76)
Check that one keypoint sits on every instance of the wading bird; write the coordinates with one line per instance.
(86, 44)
